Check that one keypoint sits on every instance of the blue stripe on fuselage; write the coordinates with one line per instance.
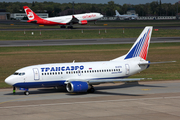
(39, 84)
(53, 83)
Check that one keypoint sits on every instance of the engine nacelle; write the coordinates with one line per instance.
(77, 86)
(83, 22)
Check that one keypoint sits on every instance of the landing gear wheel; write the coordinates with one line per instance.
(71, 27)
(63, 26)
(92, 90)
(26, 93)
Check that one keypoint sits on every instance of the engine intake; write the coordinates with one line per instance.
(77, 86)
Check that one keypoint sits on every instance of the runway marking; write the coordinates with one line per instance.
(119, 100)
(145, 89)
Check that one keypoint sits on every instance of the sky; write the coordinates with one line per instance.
(120, 2)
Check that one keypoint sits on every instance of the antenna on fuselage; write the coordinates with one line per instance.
(73, 61)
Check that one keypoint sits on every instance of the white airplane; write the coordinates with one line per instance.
(81, 76)
(62, 20)
(125, 16)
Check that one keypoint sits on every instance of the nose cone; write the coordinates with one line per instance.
(101, 16)
(9, 80)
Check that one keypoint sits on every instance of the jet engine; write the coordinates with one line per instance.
(83, 22)
(77, 86)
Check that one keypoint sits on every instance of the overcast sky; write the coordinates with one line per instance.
(121, 2)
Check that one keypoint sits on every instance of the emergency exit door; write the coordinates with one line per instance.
(127, 69)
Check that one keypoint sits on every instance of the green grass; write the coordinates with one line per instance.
(13, 58)
(87, 34)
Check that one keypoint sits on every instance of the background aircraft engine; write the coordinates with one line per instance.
(77, 86)
(83, 22)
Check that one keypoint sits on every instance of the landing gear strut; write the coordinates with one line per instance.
(91, 90)
(14, 90)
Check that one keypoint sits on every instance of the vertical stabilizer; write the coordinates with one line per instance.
(117, 13)
(140, 47)
(30, 14)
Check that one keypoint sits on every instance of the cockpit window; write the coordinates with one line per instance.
(20, 74)
(15, 73)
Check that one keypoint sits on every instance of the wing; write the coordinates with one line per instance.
(95, 82)
(100, 81)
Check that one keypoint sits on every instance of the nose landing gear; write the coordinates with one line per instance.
(14, 90)
(26, 93)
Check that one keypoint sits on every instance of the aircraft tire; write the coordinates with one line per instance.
(92, 90)
(26, 93)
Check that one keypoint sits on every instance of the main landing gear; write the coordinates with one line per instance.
(91, 90)
(71, 27)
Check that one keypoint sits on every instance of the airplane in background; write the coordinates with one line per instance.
(81, 19)
(125, 16)
(81, 76)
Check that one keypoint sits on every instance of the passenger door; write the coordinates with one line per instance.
(36, 74)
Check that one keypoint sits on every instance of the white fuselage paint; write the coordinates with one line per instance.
(90, 71)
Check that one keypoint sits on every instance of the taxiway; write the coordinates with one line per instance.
(137, 101)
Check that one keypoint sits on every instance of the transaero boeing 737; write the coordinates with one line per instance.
(81, 76)
(62, 20)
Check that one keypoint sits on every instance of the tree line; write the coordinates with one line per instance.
(155, 8)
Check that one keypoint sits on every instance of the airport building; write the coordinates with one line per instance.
(20, 16)
(3, 14)
(144, 18)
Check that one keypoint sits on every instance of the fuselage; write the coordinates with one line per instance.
(49, 75)
(66, 19)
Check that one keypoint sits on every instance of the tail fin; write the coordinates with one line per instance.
(30, 14)
(117, 13)
(140, 47)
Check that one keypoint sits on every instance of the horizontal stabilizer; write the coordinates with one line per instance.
(156, 63)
